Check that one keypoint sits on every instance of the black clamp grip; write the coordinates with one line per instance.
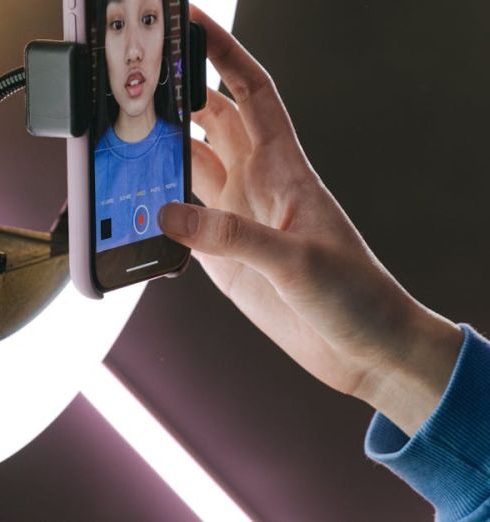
(198, 55)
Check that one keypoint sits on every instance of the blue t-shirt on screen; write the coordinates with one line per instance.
(133, 181)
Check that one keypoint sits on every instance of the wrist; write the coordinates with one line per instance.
(408, 389)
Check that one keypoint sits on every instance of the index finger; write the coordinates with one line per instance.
(261, 107)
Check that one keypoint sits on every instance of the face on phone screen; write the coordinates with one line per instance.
(138, 139)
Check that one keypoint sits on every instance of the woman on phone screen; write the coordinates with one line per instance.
(139, 138)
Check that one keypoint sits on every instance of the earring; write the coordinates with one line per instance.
(168, 73)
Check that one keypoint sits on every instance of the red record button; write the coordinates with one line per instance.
(141, 220)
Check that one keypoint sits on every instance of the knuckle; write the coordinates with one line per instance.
(215, 107)
(230, 230)
(267, 81)
(247, 87)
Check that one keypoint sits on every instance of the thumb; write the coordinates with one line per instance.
(227, 234)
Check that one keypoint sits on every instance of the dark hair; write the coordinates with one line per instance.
(106, 107)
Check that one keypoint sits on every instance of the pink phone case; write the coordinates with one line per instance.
(78, 174)
(78, 168)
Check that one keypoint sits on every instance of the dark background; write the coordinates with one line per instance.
(390, 100)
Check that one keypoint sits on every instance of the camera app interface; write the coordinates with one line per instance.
(138, 137)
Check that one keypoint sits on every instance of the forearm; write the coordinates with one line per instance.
(409, 389)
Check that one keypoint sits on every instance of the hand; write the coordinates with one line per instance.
(276, 242)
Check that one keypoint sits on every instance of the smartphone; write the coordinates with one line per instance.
(135, 158)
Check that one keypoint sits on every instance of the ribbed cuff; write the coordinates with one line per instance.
(447, 460)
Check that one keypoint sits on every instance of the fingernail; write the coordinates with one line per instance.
(179, 220)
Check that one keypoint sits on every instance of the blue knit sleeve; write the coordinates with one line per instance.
(447, 460)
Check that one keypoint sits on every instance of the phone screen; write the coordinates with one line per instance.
(138, 139)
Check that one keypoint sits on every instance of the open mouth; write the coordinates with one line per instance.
(134, 84)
